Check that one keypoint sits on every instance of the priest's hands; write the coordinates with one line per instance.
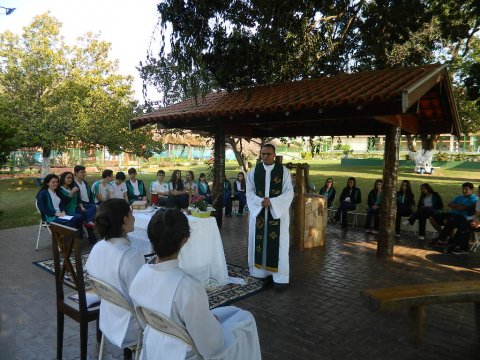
(266, 202)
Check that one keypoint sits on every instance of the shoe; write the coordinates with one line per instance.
(368, 231)
(228, 215)
(421, 238)
(239, 214)
(374, 232)
(90, 225)
(457, 251)
(397, 234)
(438, 243)
(406, 222)
(267, 281)
(280, 287)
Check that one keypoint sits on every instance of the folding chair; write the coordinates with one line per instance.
(166, 326)
(476, 244)
(67, 259)
(43, 224)
(108, 293)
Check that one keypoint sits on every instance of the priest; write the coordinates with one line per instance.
(269, 195)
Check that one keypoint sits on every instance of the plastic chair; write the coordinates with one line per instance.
(108, 293)
(166, 326)
(67, 259)
(43, 224)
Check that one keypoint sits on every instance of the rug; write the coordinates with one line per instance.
(219, 296)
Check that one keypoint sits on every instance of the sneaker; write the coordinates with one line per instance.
(374, 231)
(397, 234)
(406, 222)
(421, 238)
(458, 251)
(368, 231)
(90, 225)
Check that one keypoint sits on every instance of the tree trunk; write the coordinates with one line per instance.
(410, 143)
(236, 144)
(218, 171)
(388, 209)
(46, 161)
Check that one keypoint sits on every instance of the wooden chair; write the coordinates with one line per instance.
(67, 259)
(166, 326)
(43, 224)
(112, 295)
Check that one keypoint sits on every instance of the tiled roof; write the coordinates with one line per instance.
(346, 90)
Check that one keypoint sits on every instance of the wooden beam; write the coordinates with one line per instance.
(409, 123)
(218, 173)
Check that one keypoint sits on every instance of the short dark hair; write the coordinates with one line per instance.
(166, 230)
(201, 175)
(78, 168)
(120, 176)
(132, 171)
(160, 172)
(468, 185)
(269, 146)
(109, 218)
(106, 173)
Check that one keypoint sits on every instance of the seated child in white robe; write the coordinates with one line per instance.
(113, 260)
(223, 333)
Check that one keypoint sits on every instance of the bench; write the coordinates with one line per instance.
(416, 297)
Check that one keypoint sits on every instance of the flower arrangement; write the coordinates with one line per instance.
(198, 207)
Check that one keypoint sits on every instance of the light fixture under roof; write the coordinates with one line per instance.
(8, 11)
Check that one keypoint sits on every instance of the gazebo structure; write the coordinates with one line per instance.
(414, 100)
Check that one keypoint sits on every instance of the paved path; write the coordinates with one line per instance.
(320, 316)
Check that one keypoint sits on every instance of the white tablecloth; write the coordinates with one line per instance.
(202, 256)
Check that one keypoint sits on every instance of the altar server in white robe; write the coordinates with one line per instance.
(222, 333)
(269, 195)
(113, 260)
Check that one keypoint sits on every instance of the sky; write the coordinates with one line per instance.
(127, 25)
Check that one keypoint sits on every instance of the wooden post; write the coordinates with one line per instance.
(307, 175)
(388, 209)
(299, 207)
(417, 319)
(218, 171)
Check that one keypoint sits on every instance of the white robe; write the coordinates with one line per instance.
(116, 263)
(280, 210)
(166, 289)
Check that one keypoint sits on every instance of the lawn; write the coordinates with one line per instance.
(17, 196)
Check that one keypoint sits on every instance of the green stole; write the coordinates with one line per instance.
(272, 229)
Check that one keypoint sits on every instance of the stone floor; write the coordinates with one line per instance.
(321, 315)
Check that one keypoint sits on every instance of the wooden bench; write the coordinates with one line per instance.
(416, 297)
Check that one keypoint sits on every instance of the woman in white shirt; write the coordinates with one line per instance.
(161, 286)
(113, 260)
(191, 186)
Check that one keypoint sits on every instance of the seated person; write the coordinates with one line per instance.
(113, 261)
(227, 196)
(135, 188)
(429, 204)
(405, 203)
(375, 197)
(51, 203)
(240, 189)
(86, 206)
(102, 190)
(190, 185)
(329, 191)
(162, 189)
(204, 189)
(161, 286)
(119, 187)
(462, 206)
(349, 198)
(179, 196)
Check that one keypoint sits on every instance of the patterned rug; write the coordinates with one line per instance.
(219, 296)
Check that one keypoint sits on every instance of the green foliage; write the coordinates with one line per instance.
(345, 147)
(306, 155)
(7, 142)
(54, 93)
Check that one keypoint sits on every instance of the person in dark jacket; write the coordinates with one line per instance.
(405, 204)
(349, 198)
(329, 191)
(239, 190)
(136, 189)
(429, 204)
(374, 200)
(227, 196)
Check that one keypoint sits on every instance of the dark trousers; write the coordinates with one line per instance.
(227, 202)
(242, 201)
(375, 213)
(401, 211)
(75, 222)
(89, 214)
(450, 222)
(343, 209)
(421, 215)
(462, 236)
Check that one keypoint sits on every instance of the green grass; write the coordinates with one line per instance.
(17, 197)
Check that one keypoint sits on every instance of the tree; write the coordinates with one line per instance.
(55, 94)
